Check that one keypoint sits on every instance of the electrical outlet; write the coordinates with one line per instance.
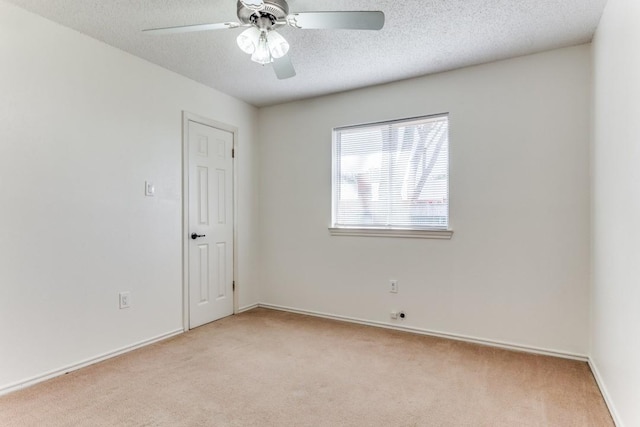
(393, 286)
(125, 299)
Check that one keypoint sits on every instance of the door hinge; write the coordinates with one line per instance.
(234, 285)
(233, 153)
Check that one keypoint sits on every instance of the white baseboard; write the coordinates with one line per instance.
(509, 346)
(247, 308)
(605, 393)
(74, 367)
(457, 337)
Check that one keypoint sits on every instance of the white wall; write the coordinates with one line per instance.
(615, 348)
(82, 126)
(517, 268)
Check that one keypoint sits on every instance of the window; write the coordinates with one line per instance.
(392, 178)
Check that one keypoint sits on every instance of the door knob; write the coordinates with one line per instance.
(194, 236)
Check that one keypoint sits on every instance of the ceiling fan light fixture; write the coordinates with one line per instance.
(262, 54)
(263, 46)
(248, 40)
(278, 46)
(262, 17)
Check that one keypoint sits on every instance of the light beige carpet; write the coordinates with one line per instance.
(269, 368)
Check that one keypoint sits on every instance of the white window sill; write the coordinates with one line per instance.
(387, 232)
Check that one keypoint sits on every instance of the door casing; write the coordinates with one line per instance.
(186, 118)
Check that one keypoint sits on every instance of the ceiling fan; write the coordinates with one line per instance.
(263, 17)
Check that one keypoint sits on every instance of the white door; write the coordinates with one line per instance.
(210, 223)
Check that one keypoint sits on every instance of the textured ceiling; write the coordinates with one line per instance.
(419, 37)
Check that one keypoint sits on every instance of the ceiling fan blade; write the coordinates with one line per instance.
(283, 68)
(190, 28)
(352, 20)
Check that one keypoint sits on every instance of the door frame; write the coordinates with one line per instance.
(186, 118)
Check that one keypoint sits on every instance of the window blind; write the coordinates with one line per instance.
(392, 175)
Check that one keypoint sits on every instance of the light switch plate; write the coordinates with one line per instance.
(125, 299)
(149, 189)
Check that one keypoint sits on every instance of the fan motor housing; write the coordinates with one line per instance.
(276, 10)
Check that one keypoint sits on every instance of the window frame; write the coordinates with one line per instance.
(389, 231)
